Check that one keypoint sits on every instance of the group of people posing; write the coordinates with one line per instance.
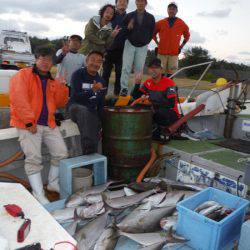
(113, 38)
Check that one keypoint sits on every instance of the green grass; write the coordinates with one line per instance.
(180, 82)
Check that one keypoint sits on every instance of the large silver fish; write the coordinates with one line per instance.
(129, 191)
(176, 184)
(114, 194)
(63, 215)
(127, 201)
(71, 228)
(149, 239)
(171, 199)
(143, 221)
(93, 198)
(155, 199)
(91, 232)
(78, 198)
(90, 211)
(107, 240)
(167, 223)
(157, 246)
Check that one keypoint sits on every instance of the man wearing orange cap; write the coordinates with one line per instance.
(170, 31)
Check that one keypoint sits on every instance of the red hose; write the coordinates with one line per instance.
(147, 166)
(172, 129)
(11, 159)
(14, 178)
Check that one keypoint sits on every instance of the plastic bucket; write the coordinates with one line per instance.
(81, 178)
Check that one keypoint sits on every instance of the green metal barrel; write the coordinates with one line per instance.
(127, 141)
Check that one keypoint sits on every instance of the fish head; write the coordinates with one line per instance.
(74, 201)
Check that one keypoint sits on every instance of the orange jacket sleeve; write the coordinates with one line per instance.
(157, 29)
(61, 95)
(186, 33)
(19, 98)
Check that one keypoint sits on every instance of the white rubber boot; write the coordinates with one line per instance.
(37, 187)
(53, 179)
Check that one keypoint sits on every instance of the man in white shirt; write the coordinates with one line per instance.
(68, 59)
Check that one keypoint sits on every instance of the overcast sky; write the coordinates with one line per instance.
(220, 26)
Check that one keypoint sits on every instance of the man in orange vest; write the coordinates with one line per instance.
(34, 98)
(170, 31)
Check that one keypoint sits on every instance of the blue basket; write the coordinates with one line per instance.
(204, 233)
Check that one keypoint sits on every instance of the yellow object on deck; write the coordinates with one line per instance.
(122, 101)
(221, 82)
(182, 99)
(4, 100)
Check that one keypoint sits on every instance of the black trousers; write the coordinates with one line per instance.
(113, 58)
(89, 125)
(165, 117)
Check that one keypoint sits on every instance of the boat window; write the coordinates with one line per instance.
(13, 39)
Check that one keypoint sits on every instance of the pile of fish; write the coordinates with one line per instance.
(213, 210)
(145, 213)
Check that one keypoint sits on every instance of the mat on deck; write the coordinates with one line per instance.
(236, 144)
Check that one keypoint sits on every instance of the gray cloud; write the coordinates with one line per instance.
(222, 32)
(10, 25)
(196, 38)
(233, 58)
(35, 27)
(74, 9)
(244, 53)
(229, 2)
(217, 13)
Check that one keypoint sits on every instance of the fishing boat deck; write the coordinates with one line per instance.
(208, 150)
(125, 244)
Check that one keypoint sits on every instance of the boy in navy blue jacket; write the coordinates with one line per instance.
(87, 101)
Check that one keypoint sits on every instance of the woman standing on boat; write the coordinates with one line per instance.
(99, 34)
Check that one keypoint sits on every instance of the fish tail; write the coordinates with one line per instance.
(76, 216)
(181, 198)
(171, 238)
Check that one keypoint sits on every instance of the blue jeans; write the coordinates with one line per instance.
(132, 54)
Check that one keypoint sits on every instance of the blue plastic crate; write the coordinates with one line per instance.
(65, 171)
(204, 233)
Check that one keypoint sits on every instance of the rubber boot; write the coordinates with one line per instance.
(37, 187)
(53, 180)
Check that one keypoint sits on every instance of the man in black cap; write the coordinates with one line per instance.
(68, 58)
(162, 93)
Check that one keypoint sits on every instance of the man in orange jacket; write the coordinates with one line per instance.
(34, 98)
(170, 31)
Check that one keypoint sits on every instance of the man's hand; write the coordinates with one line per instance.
(65, 48)
(97, 86)
(115, 31)
(32, 129)
(138, 78)
(131, 24)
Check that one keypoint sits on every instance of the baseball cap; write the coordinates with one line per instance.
(155, 62)
(76, 37)
(173, 4)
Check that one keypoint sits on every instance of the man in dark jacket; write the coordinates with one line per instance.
(114, 53)
(87, 101)
(139, 26)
